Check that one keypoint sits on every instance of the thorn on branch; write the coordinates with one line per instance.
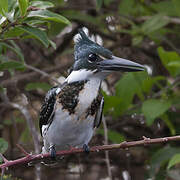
(4, 159)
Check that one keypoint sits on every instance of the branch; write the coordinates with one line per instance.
(40, 157)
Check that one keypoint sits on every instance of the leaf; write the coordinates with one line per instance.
(13, 32)
(37, 85)
(15, 49)
(48, 15)
(2, 20)
(154, 23)
(130, 79)
(11, 65)
(37, 33)
(177, 6)
(168, 58)
(3, 7)
(23, 5)
(169, 124)
(174, 64)
(154, 108)
(99, 4)
(160, 157)
(174, 160)
(164, 7)
(126, 7)
(3, 145)
(41, 4)
(113, 136)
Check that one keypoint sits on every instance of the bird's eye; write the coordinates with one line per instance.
(92, 57)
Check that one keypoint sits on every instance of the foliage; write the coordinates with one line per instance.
(141, 103)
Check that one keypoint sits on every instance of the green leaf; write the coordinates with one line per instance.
(37, 33)
(13, 32)
(126, 7)
(41, 4)
(2, 20)
(154, 108)
(37, 85)
(23, 5)
(154, 23)
(3, 145)
(3, 7)
(177, 6)
(113, 136)
(133, 79)
(169, 124)
(164, 7)
(174, 160)
(99, 4)
(11, 65)
(15, 49)
(174, 64)
(168, 58)
(48, 15)
(161, 157)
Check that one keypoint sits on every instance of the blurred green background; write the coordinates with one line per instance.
(36, 51)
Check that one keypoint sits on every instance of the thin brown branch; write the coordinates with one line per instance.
(106, 152)
(123, 145)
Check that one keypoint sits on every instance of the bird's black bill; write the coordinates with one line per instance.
(119, 64)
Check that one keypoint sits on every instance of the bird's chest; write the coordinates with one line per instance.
(77, 98)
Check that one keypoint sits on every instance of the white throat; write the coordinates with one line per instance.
(82, 74)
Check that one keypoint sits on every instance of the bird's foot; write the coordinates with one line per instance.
(86, 148)
(52, 152)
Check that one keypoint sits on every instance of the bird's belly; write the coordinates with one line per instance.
(69, 131)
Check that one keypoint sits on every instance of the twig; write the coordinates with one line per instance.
(123, 145)
(106, 152)
(45, 74)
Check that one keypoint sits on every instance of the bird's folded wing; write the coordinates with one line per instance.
(98, 117)
(48, 106)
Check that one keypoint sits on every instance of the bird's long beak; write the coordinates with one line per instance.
(119, 64)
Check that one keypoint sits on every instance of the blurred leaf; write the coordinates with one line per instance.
(153, 108)
(52, 44)
(14, 49)
(126, 7)
(169, 57)
(174, 160)
(177, 6)
(99, 4)
(160, 157)
(169, 124)
(154, 23)
(11, 65)
(3, 145)
(174, 64)
(13, 32)
(23, 5)
(77, 15)
(2, 20)
(164, 7)
(36, 85)
(41, 4)
(137, 40)
(48, 15)
(135, 80)
(3, 7)
(37, 33)
(113, 136)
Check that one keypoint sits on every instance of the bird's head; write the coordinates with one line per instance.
(95, 61)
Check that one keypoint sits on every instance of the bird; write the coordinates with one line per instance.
(73, 110)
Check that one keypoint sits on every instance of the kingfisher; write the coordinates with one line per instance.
(72, 111)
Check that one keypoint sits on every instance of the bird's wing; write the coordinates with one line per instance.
(98, 117)
(48, 106)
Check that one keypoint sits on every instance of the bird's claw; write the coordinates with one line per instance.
(52, 152)
(86, 148)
